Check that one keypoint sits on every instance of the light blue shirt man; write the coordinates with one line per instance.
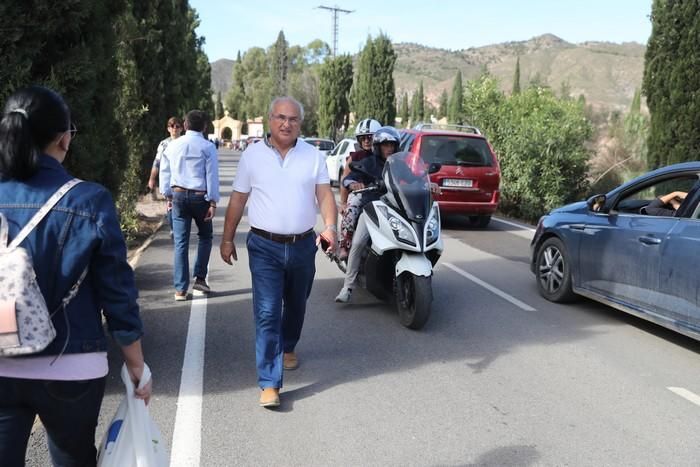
(190, 162)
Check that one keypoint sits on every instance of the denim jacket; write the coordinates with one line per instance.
(81, 230)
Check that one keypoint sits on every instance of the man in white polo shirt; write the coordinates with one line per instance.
(285, 179)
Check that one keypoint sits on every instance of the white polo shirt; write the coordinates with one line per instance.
(282, 191)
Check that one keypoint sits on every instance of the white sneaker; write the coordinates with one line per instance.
(344, 295)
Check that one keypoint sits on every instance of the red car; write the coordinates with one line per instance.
(470, 175)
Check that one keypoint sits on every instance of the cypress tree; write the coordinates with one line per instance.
(403, 111)
(421, 102)
(456, 105)
(442, 109)
(671, 82)
(279, 66)
(334, 86)
(516, 77)
(374, 93)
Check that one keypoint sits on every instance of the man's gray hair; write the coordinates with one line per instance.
(277, 100)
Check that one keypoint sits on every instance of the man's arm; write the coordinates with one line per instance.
(212, 180)
(234, 213)
(329, 213)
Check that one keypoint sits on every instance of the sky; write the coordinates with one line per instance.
(232, 25)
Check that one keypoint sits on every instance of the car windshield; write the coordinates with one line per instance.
(455, 150)
(409, 184)
(321, 144)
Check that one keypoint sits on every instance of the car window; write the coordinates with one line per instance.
(325, 145)
(342, 148)
(455, 150)
(635, 202)
(406, 142)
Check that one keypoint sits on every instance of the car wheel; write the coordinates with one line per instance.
(554, 271)
(480, 221)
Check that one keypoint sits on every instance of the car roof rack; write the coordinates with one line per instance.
(447, 126)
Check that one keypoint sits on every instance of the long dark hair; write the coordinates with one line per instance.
(31, 119)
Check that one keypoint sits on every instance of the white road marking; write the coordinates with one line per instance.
(685, 394)
(523, 231)
(187, 434)
(489, 287)
(513, 224)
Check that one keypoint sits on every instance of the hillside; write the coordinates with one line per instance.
(607, 74)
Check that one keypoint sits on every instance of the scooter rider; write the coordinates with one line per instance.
(348, 204)
(386, 143)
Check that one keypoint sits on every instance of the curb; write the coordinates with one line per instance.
(134, 260)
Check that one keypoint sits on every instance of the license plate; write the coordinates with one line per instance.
(458, 182)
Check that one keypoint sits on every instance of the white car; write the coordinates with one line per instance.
(337, 157)
(323, 145)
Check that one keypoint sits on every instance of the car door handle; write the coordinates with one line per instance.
(649, 240)
(577, 227)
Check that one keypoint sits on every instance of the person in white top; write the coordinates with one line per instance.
(285, 180)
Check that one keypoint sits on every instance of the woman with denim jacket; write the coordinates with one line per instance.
(81, 231)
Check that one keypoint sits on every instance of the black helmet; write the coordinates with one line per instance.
(386, 134)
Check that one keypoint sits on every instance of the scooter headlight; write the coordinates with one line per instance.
(401, 230)
(432, 227)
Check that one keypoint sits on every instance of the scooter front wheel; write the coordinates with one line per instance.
(413, 295)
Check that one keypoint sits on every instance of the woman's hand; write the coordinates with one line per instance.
(354, 186)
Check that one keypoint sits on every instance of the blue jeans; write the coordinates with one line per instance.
(67, 409)
(188, 206)
(282, 276)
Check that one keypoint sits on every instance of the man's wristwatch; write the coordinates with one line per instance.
(331, 227)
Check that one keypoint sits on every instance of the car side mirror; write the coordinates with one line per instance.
(434, 167)
(596, 203)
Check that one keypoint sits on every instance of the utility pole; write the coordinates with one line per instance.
(335, 11)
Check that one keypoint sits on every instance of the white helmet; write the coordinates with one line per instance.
(368, 126)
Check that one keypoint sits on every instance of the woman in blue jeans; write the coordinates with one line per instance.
(63, 384)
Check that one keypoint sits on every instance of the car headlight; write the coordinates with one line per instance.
(432, 227)
(402, 231)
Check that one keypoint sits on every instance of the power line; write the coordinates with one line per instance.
(335, 11)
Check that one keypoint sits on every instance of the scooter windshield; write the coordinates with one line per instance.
(409, 184)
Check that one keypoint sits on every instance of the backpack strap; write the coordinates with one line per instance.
(34, 221)
(3, 231)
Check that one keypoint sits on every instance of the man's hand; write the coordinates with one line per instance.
(435, 188)
(330, 236)
(152, 184)
(228, 251)
(210, 213)
(354, 186)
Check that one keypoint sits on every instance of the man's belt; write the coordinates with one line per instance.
(280, 238)
(179, 189)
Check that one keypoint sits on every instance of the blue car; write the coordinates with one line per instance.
(636, 248)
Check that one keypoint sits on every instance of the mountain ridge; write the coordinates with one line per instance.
(606, 73)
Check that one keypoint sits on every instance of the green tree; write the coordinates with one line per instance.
(279, 66)
(516, 77)
(235, 98)
(455, 110)
(334, 86)
(419, 104)
(403, 111)
(444, 103)
(373, 93)
(219, 113)
(671, 82)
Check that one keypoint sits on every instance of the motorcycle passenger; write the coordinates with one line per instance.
(348, 204)
(386, 143)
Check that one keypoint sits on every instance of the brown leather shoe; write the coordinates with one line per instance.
(291, 362)
(270, 397)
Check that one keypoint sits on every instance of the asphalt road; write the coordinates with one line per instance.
(499, 376)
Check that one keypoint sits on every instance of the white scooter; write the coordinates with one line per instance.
(405, 241)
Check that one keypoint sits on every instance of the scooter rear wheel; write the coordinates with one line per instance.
(413, 295)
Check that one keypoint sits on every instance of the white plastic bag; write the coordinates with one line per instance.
(132, 438)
